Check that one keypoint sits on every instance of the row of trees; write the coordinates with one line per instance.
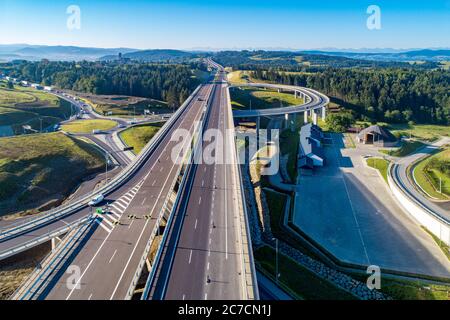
(169, 82)
(379, 94)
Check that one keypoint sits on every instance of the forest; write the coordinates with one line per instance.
(395, 95)
(172, 83)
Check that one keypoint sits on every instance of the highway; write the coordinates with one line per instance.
(403, 179)
(109, 258)
(6, 243)
(207, 262)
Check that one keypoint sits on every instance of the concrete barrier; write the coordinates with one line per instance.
(425, 217)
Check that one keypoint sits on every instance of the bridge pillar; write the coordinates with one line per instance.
(294, 121)
(55, 242)
(305, 116)
(258, 126)
(324, 113)
(315, 116)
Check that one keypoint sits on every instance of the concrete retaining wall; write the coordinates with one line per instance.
(438, 227)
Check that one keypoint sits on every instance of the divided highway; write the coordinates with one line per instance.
(109, 258)
(208, 261)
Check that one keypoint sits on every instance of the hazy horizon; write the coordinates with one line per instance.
(213, 24)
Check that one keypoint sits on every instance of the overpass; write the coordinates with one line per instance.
(111, 258)
(123, 244)
(314, 102)
(401, 180)
(207, 251)
(30, 232)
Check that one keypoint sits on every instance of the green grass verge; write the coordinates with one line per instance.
(298, 279)
(429, 177)
(277, 205)
(24, 106)
(34, 169)
(407, 148)
(426, 132)
(414, 290)
(87, 126)
(381, 165)
(289, 141)
(139, 136)
(444, 247)
(243, 98)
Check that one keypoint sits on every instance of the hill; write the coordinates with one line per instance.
(154, 56)
(63, 53)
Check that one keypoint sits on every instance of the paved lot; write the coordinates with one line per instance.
(347, 208)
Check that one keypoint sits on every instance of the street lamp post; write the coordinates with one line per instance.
(276, 260)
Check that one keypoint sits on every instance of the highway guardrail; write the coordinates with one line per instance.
(52, 215)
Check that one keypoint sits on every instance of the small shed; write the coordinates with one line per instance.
(377, 135)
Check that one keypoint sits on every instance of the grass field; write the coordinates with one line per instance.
(304, 283)
(238, 77)
(428, 177)
(414, 290)
(254, 98)
(37, 169)
(139, 136)
(87, 126)
(407, 148)
(26, 106)
(426, 132)
(381, 165)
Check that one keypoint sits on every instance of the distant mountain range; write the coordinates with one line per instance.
(73, 53)
(68, 53)
(155, 55)
(416, 55)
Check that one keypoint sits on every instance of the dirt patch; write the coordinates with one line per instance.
(14, 270)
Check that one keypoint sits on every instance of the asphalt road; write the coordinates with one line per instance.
(402, 168)
(108, 261)
(143, 194)
(208, 245)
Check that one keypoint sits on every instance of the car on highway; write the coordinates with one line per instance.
(96, 200)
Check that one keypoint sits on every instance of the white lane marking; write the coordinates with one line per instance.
(142, 232)
(124, 207)
(129, 226)
(184, 296)
(195, 227)
(190, 257)
(107, 237)
(103, 226)
(90, 296)
(142, 203)
(207, 268)
(114, 213)
(122, 202)
(203, 183)
(161, 170)
(153, 184)
(117, 208)
(199, 200)
(112, 257)
(108, 222)
(206, 296)
(128, 197)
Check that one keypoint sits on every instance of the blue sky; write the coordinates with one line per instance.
(228, 23)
